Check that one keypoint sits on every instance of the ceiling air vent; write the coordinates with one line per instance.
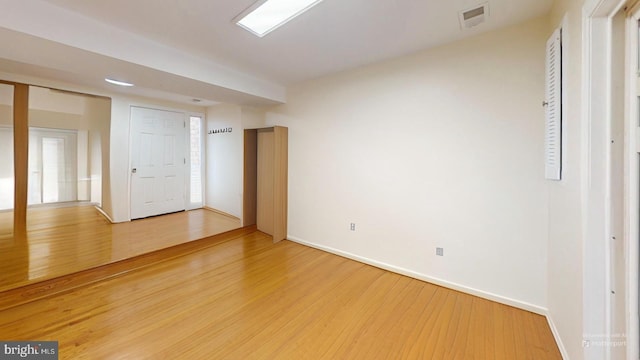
(474, 16)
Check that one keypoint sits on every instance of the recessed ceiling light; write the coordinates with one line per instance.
(117, 82)
(267, 15)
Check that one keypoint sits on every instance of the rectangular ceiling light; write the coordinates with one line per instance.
(266, 16)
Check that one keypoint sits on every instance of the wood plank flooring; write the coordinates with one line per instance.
(248, 298)
(67, 239)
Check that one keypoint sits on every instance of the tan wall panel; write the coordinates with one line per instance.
(265, 193)
(250, 177)
(280, 183)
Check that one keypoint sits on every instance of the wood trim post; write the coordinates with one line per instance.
(20, 156)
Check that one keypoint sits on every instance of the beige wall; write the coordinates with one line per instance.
(224, 155)
(6, 115)
(565, 292)
(443, 148)
(98, 114)
(224, 159)
(57, 120)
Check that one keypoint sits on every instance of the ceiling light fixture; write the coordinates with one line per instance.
(116, 82)
(267, 15)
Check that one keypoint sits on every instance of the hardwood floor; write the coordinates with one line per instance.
(247, 298)
(66, 239)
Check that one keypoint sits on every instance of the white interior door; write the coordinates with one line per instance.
(157, 162)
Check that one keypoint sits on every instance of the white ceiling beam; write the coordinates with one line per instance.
(59, 26)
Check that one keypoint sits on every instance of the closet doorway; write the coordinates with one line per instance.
(265, 180)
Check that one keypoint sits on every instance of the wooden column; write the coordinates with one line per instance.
(20, 156)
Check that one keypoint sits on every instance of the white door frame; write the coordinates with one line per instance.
(632, 191)
(596, 107)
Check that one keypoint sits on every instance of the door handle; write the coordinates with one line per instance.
(134, 170)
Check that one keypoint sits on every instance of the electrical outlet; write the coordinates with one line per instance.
(439, 251)
(353, 227)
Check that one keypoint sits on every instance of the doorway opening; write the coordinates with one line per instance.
(53, 166)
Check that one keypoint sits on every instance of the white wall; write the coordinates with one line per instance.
(566, 197)
(253, 118)
(56, 101)
(225, 155)
(443, 148)
(224, 159)
(84, 165)
(6, 148)
(7, 182)
(98, 114)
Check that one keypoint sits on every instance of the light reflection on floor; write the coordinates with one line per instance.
(68, 239)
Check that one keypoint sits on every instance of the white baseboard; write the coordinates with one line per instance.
(104, 214)
(450, 285)
(221, 213)
(556, 335)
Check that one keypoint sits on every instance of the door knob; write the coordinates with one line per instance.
(134, 170)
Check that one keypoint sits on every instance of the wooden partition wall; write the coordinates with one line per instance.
(265, 180)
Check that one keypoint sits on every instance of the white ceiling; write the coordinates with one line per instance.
(191, 48)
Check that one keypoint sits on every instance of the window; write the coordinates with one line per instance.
(53, 164)
(196, 163)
